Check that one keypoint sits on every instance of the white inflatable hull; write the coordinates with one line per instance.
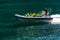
(42, 19)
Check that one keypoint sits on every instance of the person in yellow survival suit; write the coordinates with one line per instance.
(33, 15)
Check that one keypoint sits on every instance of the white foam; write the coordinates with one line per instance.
(56, 19)
(55, 16)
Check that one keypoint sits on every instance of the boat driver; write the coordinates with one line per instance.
(45, 12)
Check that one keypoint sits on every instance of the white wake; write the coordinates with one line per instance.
(56, 19)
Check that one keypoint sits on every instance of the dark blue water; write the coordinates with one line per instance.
(13, 29)
(38, 32)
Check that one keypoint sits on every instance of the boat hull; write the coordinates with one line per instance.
(43, 19)
(35, 19)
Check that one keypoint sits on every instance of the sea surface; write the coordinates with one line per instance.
(13, 29)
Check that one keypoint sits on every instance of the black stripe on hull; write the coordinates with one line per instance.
(35, 18)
